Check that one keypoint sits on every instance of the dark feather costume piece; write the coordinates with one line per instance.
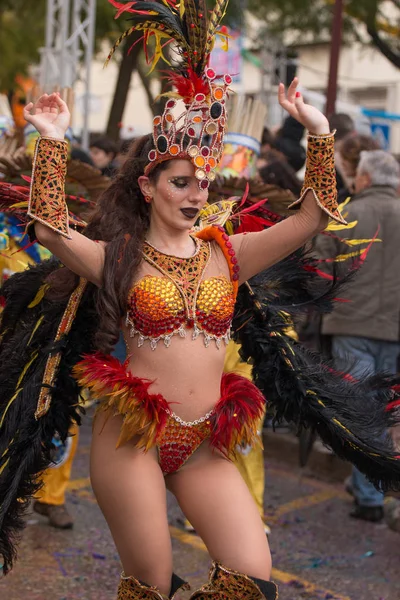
(351, 417)
(27, 333)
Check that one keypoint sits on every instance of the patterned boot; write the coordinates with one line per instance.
(225, 584)
(133, 589)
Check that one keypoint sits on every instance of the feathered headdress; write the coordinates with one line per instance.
(197, 133)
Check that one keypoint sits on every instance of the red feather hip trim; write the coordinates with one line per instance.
(236, 415)
(108, 380)
(148, 417)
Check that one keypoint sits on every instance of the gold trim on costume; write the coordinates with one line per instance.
(53, 361)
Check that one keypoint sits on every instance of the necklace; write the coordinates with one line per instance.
(185, 273)
(195, 241)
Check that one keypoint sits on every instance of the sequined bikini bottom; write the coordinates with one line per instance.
(149, 419)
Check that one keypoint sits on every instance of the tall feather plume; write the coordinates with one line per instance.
(216, 17)
(185, 22)
(202, 21)
(193, 30)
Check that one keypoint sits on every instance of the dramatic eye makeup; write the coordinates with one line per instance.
(179, 182)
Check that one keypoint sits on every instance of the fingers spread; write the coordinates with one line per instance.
(281, 92)
(283, 101)
(292, 90)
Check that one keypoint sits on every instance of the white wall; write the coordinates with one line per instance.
(366, 77)
(137, 117)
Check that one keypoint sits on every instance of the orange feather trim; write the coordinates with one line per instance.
(145, 415)
(233, 421)
(218, 234)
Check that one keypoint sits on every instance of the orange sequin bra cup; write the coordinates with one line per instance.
(160, 307)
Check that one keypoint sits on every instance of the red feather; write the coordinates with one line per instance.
(110, 381)
(252, 223)
(237, 414)
(188, 87)
(122, 7)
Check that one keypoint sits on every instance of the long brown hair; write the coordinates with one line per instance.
(121, 218)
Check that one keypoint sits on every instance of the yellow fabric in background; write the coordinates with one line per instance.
(14, 261)
(55, 481)
(250, 461)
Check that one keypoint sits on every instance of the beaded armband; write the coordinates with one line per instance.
(320, 176)
(47, 196)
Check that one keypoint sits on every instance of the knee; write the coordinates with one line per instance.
(252, 563)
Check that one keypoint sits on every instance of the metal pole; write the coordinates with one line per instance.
(48, 43)
(334, 58)
(91, 11)
(64, 31)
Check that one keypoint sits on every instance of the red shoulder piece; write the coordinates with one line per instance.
(219, 235)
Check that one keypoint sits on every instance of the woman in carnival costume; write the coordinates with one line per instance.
(168, 416)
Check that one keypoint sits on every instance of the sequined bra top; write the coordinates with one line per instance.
(160, 307)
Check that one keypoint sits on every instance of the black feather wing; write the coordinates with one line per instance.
(27, 332)
(350, 416)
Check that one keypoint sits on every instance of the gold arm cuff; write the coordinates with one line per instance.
(47, 196)
(320, 175)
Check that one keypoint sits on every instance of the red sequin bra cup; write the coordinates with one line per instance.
(160, 307)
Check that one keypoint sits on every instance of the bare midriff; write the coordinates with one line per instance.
(187, 373)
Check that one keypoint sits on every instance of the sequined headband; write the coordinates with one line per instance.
(196, 134)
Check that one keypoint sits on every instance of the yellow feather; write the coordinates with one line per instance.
(342, 257)
(35, 329)
(357, 242)
(181, 9)
(168, 95)
(158, 53)
(6, 241)
(224, 38)
(8, 406)
(34, 357)
(344, 203)
(229, 228)
(4, 466)
(23, 204)
(334, 226)
(39, 296)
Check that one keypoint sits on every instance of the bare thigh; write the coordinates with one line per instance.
(216, 500)
(130, 490)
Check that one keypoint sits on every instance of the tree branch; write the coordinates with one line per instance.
(383, 46)
(379, 42)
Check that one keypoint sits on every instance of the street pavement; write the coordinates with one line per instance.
(319, 553)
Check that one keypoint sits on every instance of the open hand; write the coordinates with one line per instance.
(50, 116)
(309, 116)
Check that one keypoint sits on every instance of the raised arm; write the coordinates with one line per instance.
(47, 206)
(318, 199)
